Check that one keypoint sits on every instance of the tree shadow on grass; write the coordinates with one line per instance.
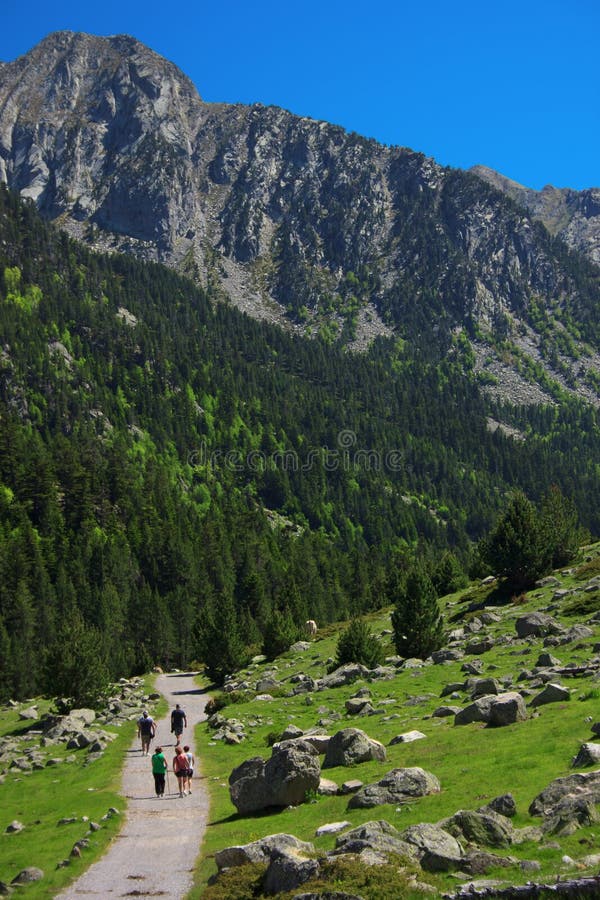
(269, 812)
(474, 600)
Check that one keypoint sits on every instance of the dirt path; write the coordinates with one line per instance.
(155, 851)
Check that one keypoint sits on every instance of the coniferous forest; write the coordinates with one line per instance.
(176, 476)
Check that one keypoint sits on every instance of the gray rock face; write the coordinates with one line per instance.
(260, 851)
(124, 153)
(437, 850)
(546, 660)
(397, 786)
(284, 780)
(351, 746)
(447, 655)
(573, 215)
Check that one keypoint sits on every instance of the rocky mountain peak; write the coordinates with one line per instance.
(293, 219)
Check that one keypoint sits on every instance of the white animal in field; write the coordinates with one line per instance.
(310, 628)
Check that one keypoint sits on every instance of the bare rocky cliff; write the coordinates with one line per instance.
(574, 216)
(293, 219)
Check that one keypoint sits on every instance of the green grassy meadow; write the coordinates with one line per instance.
(39, 799)
(474, 763)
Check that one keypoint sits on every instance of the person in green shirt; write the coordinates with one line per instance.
(159, 769)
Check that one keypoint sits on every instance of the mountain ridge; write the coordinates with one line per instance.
(294, 220)
(572, 215)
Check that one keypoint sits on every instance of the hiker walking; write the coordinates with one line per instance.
(146, 731)
(159, 770)
(180, 767)
(178, 722)
(190, 771)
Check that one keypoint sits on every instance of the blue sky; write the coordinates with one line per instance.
(512, 85)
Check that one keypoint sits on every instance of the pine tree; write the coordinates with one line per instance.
(416, 619)
(280, 633)
(75, 666)
(358, 644)
(448, 575)
(515, 548)
(222, 647)
(562, 533)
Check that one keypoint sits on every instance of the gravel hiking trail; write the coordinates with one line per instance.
(154, 853)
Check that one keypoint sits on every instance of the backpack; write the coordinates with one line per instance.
(146, 726)
(181, 763)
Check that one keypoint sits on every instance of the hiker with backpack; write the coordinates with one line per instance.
(159, 770)
(180, 768)
(178, 722)
(146, 731)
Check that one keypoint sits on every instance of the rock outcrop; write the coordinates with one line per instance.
(114, 142)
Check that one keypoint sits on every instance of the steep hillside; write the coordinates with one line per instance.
(295, 220)
(160, 451)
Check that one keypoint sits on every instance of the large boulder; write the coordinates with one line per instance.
(579, 784)
(396, 786)
(345, 674)
(407, 737)
(437, 850)
(287, 871)
(478, 711)
(260, 851)
(500, 709)
(570, 814)
(284, 780)
(483, 828)
(379, 836)
(537, 624)
(568, 803)
(507, 709)
(479, 646)
(446, 655)
(350, 746)
(552, 693)
(483, 687)
(28, 875)
(358, 706)
(504, 804)
(588, 755)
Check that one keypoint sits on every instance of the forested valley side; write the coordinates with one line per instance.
(175, 474)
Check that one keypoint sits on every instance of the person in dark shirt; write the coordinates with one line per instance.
(146, 731)
(178, 722)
